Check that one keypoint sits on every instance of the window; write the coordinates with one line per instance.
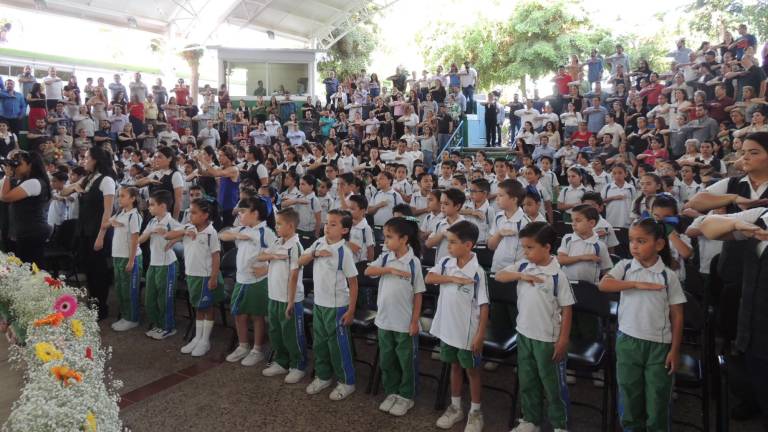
(267, 79)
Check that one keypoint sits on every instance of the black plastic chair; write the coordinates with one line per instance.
(585, 356)
(723, 409)
(61, 250)
(622, 249)
(428, 257)
(484, 256)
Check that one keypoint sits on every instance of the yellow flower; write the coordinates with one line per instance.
(35, 268)
(90, 422)
(14, 260)
(77, 328)
(47, 352)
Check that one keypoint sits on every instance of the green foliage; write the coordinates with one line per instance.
(711, 17)
(532, 42)
(351, 53)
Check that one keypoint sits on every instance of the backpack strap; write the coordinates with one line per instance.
(522, 267)
(597, 249)
(261, 237)
(341, 257)
(556, 280)
(363, 236)
(443, 265)
(476, 285)
(412, 265)
(384, 260)
(626, 269)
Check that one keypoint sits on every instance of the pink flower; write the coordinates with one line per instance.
(66, 305)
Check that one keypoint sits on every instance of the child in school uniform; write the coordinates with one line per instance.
(650, 186)
(249, 297)
(433, 216)
(160, 289)
(548, 178)
(618, 196)
(532, 206)
(508, 222)
(401, 284)
(402, 184)
(290, 187)
(544, 304)
(603, 229)
(335, 282)
(477, 209)
(126, 258)
(532, 176)
(582, 255)
(650, 328)
(361, 242)
(386, 198)
(460, 321)
(689, 187)
(664, 211)
(447, 169)
(307, 206)
(285, 314)
(570, 196)
(451, 201)
(202, 259)
(419, 203)
(601, 178)
(325, 199)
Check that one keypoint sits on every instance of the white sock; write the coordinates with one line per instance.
(256, 348)
(198, 329)
(243, 345)
(474, 407)
(456, 402)
(207, 327)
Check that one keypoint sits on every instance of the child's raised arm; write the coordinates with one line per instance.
(610, 284)
(438, 279)
(175, 234)
(513, 276)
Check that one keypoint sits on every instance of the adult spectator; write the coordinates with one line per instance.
(752, 76)
(209, 136)
(717, 106)
(181, 91)
(514, 120)
(614, 129)
(703, 128)
(138, 88)
(528, 114)
(595, 115)
(458, 98)
(261, 91)
(53, 88)
(491, 111)
(26, 80)
(8, 140)
(744, 41)
(331, 86)
(682, 53)
(595, 67)
(468, 80)
(116, 90)
(166, 176)
(28, 191)
(159, 93)
(618, 58)
(13, 106)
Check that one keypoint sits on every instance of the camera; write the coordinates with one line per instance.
(13, 163)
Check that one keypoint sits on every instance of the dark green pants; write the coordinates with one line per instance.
(541, 378)
(127, 287)
(287, 335)
(332, 345)
(398, 358)
(645, 386)
(159, 295)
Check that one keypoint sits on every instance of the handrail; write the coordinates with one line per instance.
(456, 140)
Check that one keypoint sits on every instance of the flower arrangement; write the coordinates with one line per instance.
(56, 339)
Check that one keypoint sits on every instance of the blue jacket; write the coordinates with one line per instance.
(12, 106)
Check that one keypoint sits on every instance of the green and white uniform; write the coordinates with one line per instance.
(127, 283)
(198, 266)
(249, 296)
(161, 275)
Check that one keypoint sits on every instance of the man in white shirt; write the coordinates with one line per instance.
(53, 89)
(272, 125)
(138, 88)
(468, 79)
(528, 114)
(613, 128)
(295, 136)
(209, 136)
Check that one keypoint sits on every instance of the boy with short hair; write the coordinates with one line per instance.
(508, 222)
(447, 169)
(420, 198)
(603, 228)
(383, 200)
(285, 310)
(460, 321)
(582, 255)
(401, 184)
(324, 198)
(477, 209)
(160, 285)
(451, 202)
(361, 236)
(335, 282)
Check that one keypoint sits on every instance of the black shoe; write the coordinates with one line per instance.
(744, 411)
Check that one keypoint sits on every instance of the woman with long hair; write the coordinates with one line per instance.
(229, 180)
(28, 191)
(37, 107)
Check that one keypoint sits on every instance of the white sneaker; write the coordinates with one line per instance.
(162, 334)
(341, 392)
(317, 385)
(474, 421)
(450, 417)
(294, 376)
(388, 403)
(490, 366)
(188, 348)
(201, 349)
(401, 406)
(238, 354)
(125, 326)
(153, 333)
(569, 378)
(274, 369)
(117, 323)
(525, 426)
(598, 379)
(253, 358)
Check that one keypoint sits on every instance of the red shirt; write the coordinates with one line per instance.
(182, 94)
(652, 92)
(136, 110)
(658, 154)
(717, 108)
(562, 83)
(579, 139)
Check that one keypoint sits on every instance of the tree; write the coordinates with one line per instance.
(351, 53)
(532, 42)
(712, 17)
(192, 54)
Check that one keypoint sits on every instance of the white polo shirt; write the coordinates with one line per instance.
(484, 223)
(361, 234)
(687, 191)
(418, 202)
(618, 213)
(384, 214)
(644, 314)
(708, 249)
(601, 180)
(326, 203)
(395, 297)
(430, 221)
(307, 212)
(261, 236)
(347, 164)
(721, 187)
(458, 306)
(589, 271)
(508, 251)
(121, 236)
(330, 274)
(540, 305)
(291, 194)
(280, 270)
(197, 251)
(609, 236)
(158, 255)
(571, 195)
(441, 227)
(403, 186)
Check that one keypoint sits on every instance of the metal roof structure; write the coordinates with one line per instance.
(317, 24)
